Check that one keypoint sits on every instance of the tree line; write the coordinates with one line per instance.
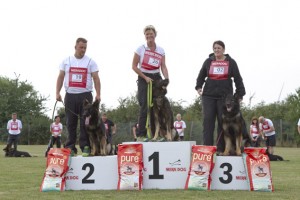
(21, 97)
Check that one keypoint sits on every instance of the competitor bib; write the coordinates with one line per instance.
(14, 126)
(152, 60)
(77, 77)
(178, 125)
(218, 70)
(55, 128)
(254, 130)
(265, 125)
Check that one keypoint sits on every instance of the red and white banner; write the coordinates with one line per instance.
(202, 164)
(130, 166)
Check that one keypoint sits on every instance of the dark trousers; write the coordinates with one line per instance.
(74, 110)
(212, 110)
(257, 142)
(13, 140)
(56, 140)
(52, 141)
(142, 98)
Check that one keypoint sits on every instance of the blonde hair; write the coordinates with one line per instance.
(150, 27)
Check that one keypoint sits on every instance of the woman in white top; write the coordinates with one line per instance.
(255, 132)
(148, 61)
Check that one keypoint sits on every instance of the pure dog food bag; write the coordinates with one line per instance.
(58, 162)
(130, 166)
(202, 164)
(258, 169)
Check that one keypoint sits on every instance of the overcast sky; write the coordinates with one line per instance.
(261, 35)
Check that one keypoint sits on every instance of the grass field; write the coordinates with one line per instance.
(22, 177)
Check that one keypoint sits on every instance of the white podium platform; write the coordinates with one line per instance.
(229, 173)
(166, 166)
(93, 173)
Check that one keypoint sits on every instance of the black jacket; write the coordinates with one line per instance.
(218, 88)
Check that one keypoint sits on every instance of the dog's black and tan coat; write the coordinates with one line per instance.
(94, 128)
(232, 125)
(163, 115)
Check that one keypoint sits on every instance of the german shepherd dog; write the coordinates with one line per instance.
(232, 125)
(273, 157)
(162, 112)
(94, 128)
(11, 152)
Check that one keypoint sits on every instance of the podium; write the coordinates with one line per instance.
(166, 166)
(229, 173)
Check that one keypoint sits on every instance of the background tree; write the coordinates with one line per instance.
(20, 97)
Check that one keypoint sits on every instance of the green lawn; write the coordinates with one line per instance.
(22, 177)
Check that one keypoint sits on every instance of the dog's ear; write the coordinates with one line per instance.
(237, 97)
(85, 102)
(163, 83)
(96, 103)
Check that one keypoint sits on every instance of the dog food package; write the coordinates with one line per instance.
(58, 162)
(202, 164)
(130, 166)
(257, 165)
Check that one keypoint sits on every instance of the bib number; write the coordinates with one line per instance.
(152, 60)
(78, 77)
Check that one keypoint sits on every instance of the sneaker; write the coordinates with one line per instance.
(86, 151)
(162, 139)
(142, 139)
(73, 154)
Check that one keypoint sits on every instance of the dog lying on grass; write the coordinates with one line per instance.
(11, 152)
(273, 157)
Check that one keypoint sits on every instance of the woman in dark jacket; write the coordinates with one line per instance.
(218, 72)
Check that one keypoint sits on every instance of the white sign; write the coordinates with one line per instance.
(229, 174)
(166, 164)
(92, 173)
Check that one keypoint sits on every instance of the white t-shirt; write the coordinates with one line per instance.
(14, 127)
(266, 125)
(141, 50)
(56, 129)
(299, 122)
(78, 78)
(180, 126)
(254, 131)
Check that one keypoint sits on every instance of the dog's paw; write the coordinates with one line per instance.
(225, 154)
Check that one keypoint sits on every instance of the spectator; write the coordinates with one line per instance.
(299, 126)
(180, 125)
(255, 132)
(55, 129)
(110, 127)
(268, 131)
(135, 129)
(14, 127)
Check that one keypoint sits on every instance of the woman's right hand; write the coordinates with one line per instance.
(147, 79)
